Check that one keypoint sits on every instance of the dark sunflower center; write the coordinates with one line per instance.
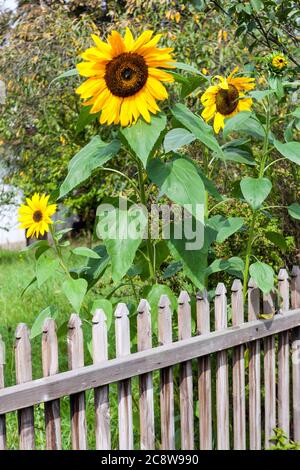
(126, 74)
(227, 100)
(37, 216)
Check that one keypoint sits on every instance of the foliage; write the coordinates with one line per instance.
(281, 442)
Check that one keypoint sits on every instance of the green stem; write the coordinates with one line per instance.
(59, 255)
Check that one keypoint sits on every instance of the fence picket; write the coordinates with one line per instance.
(24, 374)
(254, 371)
(295, 303)
(283, 358)
(146, 404)
(166, 378)
(125, 398)
(269, 374)
(2, 417)
(50, 367)
(186, 375)
(238, 371)
(222, 372)
(77, 401)
(101, 394)
(204, 375)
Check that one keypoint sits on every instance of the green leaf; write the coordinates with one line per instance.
(142, 137)
(107, 308)
(90, 157)
(177, 138)
(228, 227)
(251, 127)
(75, 290)
(260, 94)
(36, 244)
(180, 181)
(33, 280)
(172, 269)
(232, 123)
(277, 239)
(294, 210)
(290, 150)
(239, 156)
(37, 327)
(296, 113)
(87, 252)
(67, 74)
(263, 275)
(257, 4)
(141, 265)
(190, 85)
(255, 190)
(153, 298)
(58, 235)
(122, 232)
(45, 268)
(187, 68)
(232, 264)
(198, 127)
(85, 118)
(209, 185)
(95, 268)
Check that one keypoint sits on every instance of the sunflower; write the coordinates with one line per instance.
(278, 62)
(35, 216)
(226, 99)
(124, 77)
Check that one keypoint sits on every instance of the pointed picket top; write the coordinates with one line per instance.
(295, 271)
(22, 331)
(236, 285)
(121, 310)
(283, 275)
(183, 298)
(74, 322)
(99, 317)
(252, 284)
(253, 300)
(164, 301)
(221, 289)
(295, 287)
(49, 325)
(143, 307)
(202, 294)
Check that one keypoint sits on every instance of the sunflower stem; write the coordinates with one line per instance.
(58, 252)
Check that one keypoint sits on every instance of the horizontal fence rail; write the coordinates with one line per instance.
(245, 358)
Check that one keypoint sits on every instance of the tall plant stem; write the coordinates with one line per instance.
(144, 202)
(255, 212)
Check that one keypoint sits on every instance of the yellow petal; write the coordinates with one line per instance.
(218, 122)
(141, 40)
(157, 89)
(116, 42)
(160, 75)
(128, 40)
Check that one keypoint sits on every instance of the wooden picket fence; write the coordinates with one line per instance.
(248, 374)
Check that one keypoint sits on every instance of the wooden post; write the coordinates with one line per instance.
(295, 303)
(204, 375)
(101, 394)
(125, 398)
(2, 417)
(283, 358)
(269, 374)
(146, 404)
(24, 374)
(50, 367)
(77, 401)
(222, 372)
(186, 375)
(166, 378)
(254, 371)
(238, 372)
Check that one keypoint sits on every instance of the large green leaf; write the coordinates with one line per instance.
(95, 268)
(86, 252)
(177, 138)
(90, 157)
(277, 239)
(294, 210)
(290, 150)
(122, 231)
(237, 120)
(37, 327)
(45, 268)
(250, 126)
(198, 127)
(85, 118)
(67, 74)
(142, 137)
(255, 190)
(225, 227)
(180, 181)
(239, 156)
(232, 264)
(263, 275)
(75, 290)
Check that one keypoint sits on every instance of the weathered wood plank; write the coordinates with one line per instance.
(77, 400)
(50, 367)
(66, 383)
(2, 417)
(101, 394)
(146, 403)
(204, 375)
(222, 391)
(283, 358)
(125, 398)
(24, 374)
(238, 371)
(295, 303)
(166, 378)
(186, 375)
(269, 374)
(254, 371)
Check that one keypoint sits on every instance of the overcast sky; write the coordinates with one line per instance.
(4, 4)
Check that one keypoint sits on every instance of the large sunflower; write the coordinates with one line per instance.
(226, 99)
(35, 216)
(124, 77)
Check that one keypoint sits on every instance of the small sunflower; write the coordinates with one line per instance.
(278, 62)
(226, 99)
(35, 216)
(124, 77)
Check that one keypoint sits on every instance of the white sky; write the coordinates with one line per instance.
(11, 4)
